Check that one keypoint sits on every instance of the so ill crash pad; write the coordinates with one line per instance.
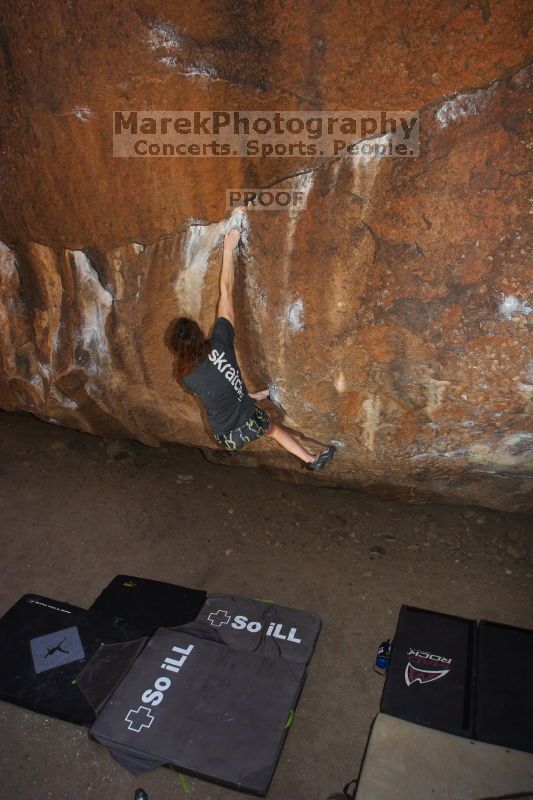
(214, 697)
(204, 708)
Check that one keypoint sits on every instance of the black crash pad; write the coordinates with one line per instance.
(504, 686)
(204, 708)
(45, 645)
(258, 626)
(149, 604)
(429, 680)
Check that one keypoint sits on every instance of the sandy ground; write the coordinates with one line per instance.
(76, 510)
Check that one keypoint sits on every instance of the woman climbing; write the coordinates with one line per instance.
(209, 369)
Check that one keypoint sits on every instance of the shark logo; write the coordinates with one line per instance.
(51, 651)
(416, 675)
(56, 649)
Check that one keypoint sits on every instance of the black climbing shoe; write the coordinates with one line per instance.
(322, 460)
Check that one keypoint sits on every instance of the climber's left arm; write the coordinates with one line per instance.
(227, 275)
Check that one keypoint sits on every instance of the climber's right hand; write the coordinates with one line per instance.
(231, 239)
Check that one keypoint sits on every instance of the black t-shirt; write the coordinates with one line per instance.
(217, 382)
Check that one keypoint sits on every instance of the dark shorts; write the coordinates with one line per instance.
(253, 429)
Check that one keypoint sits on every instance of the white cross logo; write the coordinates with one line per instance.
(135, 719)
(219, 618)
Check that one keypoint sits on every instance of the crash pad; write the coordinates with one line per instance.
(47, 643)
(504, 686)
(258, 626)
(405, 761)
(203, 707)
(149, 604)
(430, 677)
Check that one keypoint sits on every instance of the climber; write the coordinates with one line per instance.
(209, 369)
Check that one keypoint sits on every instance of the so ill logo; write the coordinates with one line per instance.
(142, 717)
(421, 674)
(241, 623)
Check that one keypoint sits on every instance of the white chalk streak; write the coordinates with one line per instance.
(295, 316)
(463, 105)
(512, 306)
(198, 245)
(94, 306)
(162, 34)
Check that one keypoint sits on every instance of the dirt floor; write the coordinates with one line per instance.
(76, 510)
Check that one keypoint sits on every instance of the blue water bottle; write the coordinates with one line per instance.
(383, 658)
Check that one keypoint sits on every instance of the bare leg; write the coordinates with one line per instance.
(288, 442)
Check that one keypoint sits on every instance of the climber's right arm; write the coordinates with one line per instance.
(225, 302)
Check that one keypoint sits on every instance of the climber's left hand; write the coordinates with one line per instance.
(262, 395)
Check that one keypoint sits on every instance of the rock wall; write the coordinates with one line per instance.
(391, 316)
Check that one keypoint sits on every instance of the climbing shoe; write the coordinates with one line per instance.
(322, 460)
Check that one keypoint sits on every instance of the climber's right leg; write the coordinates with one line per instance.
(288, 442)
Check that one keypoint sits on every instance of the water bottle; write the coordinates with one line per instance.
(382, 662)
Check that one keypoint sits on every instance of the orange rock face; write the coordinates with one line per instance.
(391, 316)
